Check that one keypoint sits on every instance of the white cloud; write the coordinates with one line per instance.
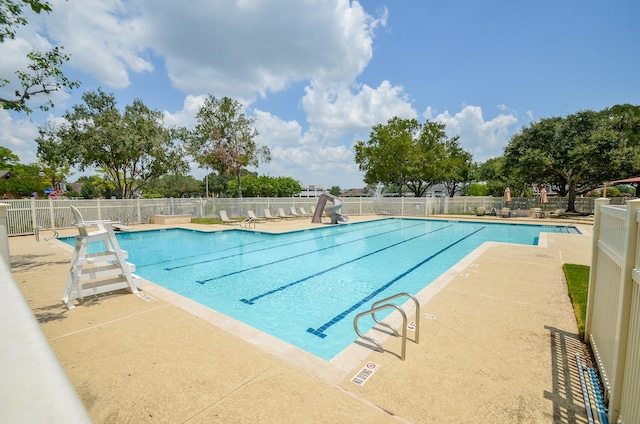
(105, 38)
(484, 139)
(187, 116)
(220, 47)
(342, 110)
(19, 136)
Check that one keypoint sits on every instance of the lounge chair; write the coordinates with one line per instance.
(505, 212)
(283, 215)
(294, 212)
(252, 216)
(480, 211)
(556, 213)
(537, 213)
(304, 213)
(225, 219)
(267, 214)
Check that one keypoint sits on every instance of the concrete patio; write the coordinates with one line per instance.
(497, 345)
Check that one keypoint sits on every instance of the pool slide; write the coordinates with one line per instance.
(331, 211)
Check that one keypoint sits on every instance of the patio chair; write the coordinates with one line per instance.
(267, 214)
(556, 213)
(283, 215)
(537, 213)
(225, 219)
(505, 212)
(304, 212)
(480, 211)
(252, 216)
(294, 212)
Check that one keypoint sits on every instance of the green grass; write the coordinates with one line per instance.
(206, 221)
(578, 283)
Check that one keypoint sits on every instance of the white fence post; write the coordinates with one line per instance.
(34, 221)
(597, 219)
(4, 234)
(52, 217)
(623, 317)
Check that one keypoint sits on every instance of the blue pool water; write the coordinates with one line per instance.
(306, 287)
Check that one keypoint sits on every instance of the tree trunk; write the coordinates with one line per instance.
(571, 206)
(239, 185)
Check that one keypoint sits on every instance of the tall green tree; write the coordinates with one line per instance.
(266, 186)
(44, 74)
(53, 155)
(8, 159)
(177, 186)
(576, 153)
(404, 152)
(28, 180)
(131, 148)
(223, 139)
(456, 166)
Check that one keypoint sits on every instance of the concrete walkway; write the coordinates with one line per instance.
(497, 345)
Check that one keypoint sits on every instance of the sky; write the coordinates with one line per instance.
(317, 75)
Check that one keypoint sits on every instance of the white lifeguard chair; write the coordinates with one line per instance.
(95, 273)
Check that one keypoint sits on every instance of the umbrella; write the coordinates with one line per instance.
(543, 196)
(507, 195)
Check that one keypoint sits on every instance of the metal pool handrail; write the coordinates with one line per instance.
(417, 315)
(371, 339)
(39, 228)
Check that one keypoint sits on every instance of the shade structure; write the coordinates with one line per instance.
(507, 195)
(543, 196)
(627, 180)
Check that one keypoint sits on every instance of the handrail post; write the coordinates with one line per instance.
(417, 315)
(377, 343)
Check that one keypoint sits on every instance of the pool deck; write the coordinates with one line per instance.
(498, 340)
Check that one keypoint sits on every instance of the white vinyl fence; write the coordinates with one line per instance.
(613, 310)
(25, 215)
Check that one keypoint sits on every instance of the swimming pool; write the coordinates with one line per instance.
(306, 287)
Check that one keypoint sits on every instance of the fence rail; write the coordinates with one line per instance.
(613, 308)
(25, 215)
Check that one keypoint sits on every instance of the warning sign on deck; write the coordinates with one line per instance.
(364, 374)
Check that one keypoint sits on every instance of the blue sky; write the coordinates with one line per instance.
(318, 74)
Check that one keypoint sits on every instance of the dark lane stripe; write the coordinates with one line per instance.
(333, 246)
(200, 254)
(320, 330)
(253, 299)
(266, 248)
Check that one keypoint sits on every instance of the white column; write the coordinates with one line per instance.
(4, 234)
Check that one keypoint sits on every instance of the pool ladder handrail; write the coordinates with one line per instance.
(247, 223)
(37, 230)
(578, 221)
(383, 304)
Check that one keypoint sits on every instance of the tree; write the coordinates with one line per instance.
(456, 166)
(130, 148)
(96, 187)
(53, 154)
(335, 190)
(404, 152)
(27, 181)
(177, 186)
(89, 191)
(223, 139)
(265, 186)
(8, 159)
(44, 72)
(577, 153)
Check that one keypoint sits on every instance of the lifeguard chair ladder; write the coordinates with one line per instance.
(95, 273)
